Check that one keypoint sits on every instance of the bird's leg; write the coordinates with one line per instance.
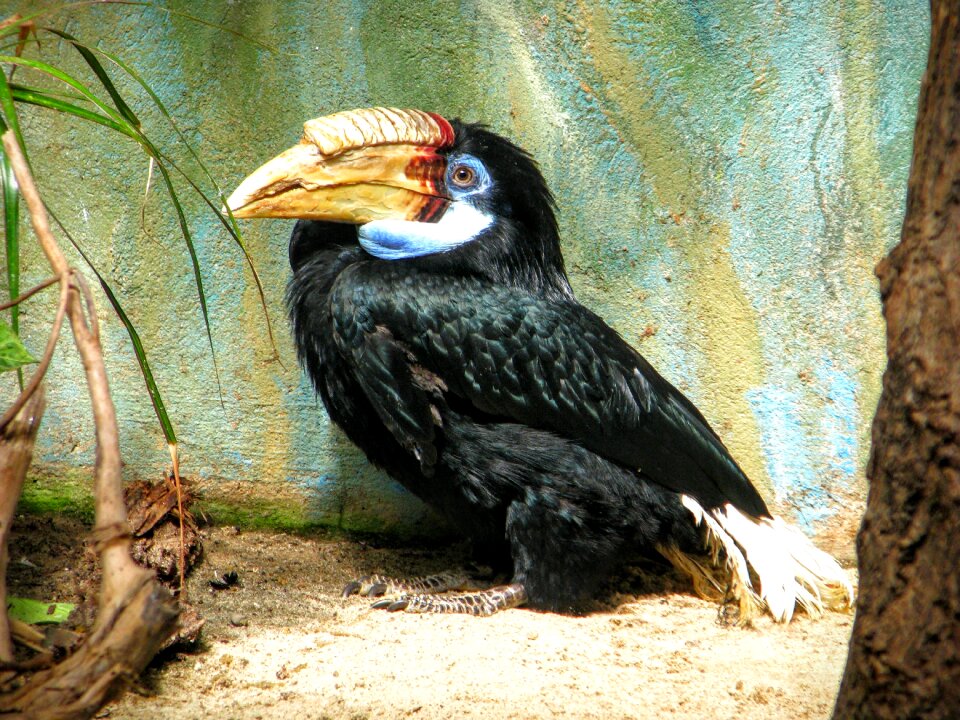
(380, 585)
(484, 602)
(729, 613)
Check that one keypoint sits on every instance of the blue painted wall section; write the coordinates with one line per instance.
(727, 176)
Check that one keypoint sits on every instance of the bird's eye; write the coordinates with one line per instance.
(463, 176)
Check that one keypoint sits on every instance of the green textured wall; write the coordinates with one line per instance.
(728, 173)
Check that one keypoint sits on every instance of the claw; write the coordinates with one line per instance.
(391, 604)
(376, 590)
(351, 588)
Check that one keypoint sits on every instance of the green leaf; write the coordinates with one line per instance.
(194, 260)
(11, 232)
(116, 114)
(102, 76)
(13, 354)
(155, 398)
(8, 114)
(63, 94)
(21, 94)
(133, 129)
(69, 80)
(35, 612)
(228, 222)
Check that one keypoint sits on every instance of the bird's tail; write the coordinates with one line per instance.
(788, 569)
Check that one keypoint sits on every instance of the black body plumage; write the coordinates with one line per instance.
(476, 379)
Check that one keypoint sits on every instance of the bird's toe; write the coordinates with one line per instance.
(378, 589)
(351, 588)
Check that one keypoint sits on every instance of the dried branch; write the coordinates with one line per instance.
(41, 370)
(135, 613)
(29, 293)
(16, 449)
(108, 488)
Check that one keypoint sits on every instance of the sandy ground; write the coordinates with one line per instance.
(283, 644)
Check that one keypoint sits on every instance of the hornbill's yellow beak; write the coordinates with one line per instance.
(355, 166)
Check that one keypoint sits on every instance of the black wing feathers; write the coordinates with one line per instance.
(385, 370)
(551, 364)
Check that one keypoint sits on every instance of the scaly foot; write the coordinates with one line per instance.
(380, 585)
(485, 602)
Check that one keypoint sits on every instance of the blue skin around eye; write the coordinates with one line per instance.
(461, 223)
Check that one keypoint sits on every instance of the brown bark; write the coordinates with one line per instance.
(16, 450)
(904, 657)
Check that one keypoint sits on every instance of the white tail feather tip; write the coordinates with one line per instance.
(790, 569)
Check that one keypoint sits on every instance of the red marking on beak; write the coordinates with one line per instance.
(446, 130)
(433, 209)
(428, 168)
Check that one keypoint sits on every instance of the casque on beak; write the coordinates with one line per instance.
(355, 167)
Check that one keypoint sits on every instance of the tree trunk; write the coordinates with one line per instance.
(904, 657)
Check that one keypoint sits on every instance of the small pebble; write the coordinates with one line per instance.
(238, 621)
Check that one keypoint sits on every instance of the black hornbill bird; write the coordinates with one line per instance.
(431, 308)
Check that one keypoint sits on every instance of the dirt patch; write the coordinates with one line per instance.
(49, 560)
(281, 643)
